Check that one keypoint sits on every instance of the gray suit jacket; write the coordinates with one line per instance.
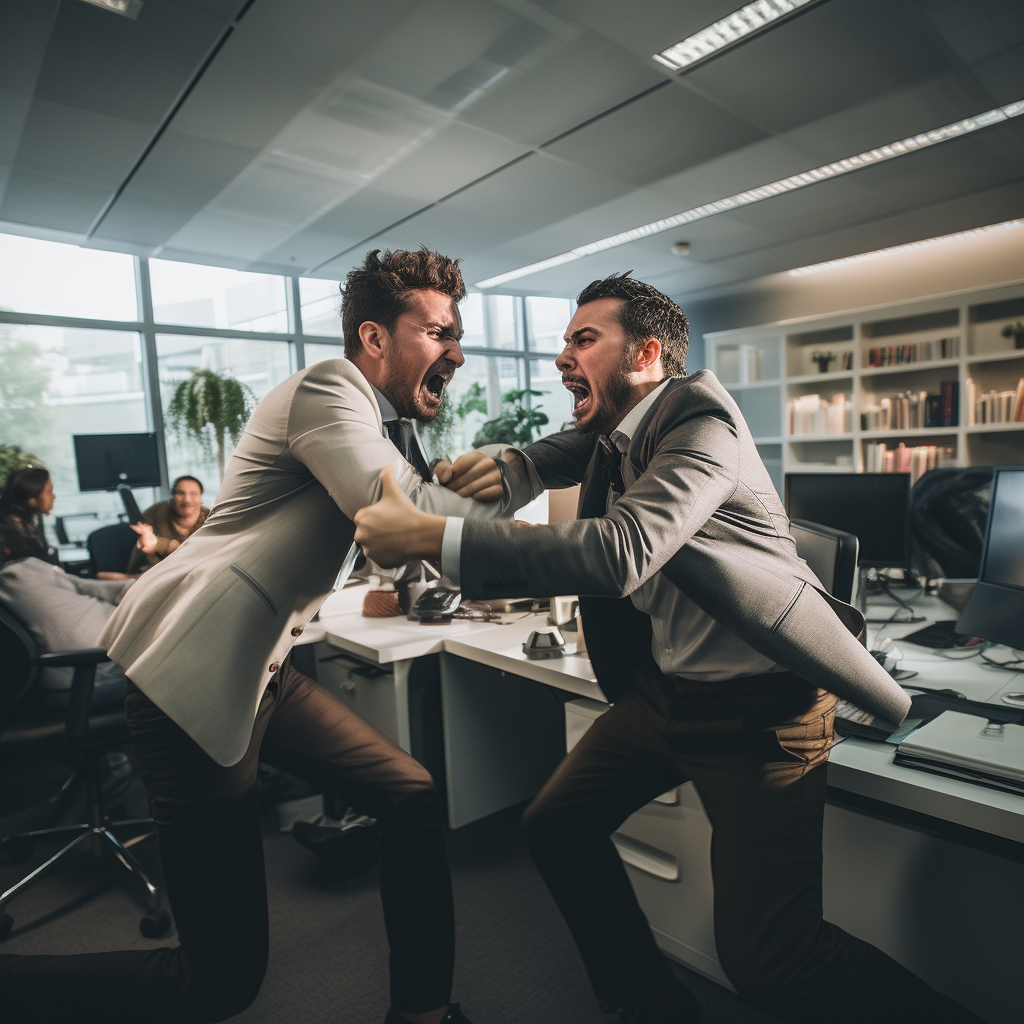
(202, 632)
(700, 507)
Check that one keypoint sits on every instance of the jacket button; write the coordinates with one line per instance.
(296, 631)
(273, 668)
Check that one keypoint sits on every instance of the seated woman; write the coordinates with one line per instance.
(27, 497)
(168, 524)
(61, 612)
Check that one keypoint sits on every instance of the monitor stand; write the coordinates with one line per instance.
(130, 504)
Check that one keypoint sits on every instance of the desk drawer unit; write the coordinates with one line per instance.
(666, 849)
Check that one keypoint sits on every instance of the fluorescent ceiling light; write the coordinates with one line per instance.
(773, 188)
(731, 30)
(129, 8)
(925, 243)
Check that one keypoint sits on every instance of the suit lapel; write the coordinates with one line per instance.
(594, 492)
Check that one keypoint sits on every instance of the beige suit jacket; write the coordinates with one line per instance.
(202, 632)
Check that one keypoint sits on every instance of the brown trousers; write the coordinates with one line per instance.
(756, 749)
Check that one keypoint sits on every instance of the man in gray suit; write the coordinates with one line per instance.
(721, 653)
(204, 637)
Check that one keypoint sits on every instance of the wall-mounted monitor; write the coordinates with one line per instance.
(995, 610)
(874, 507)
(107, 460)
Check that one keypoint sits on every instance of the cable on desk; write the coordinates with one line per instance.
(1012, 665)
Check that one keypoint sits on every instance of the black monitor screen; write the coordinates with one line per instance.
(1004, 548)
(874, 507)
(106, 460)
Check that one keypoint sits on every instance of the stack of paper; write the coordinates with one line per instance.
(970, 748)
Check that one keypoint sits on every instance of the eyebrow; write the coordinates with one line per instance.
(575, 334)
(448, 329)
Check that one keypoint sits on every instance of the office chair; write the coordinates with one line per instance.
(948, 515)
(110, 547)
(80, 738)
(831, 554)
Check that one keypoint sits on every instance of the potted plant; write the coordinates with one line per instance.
(1015, 331)
(12, 458)
(209, 406)
(516, 422)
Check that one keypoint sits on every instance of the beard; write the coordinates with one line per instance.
(402, 388)
(615, 396)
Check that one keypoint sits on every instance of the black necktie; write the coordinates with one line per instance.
(611, 464)
(403, 437)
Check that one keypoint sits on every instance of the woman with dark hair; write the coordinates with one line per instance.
(27, 497)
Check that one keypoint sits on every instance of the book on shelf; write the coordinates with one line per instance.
(1003, 406)
(913, 410)
(915, 460)
(750, 365)
(915, 352)
(813, 415)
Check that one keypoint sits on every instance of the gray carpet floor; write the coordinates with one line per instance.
(516, 963)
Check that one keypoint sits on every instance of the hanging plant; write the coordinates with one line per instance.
(208, 408)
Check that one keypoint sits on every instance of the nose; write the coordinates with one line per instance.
(454, 353)
(564, 362)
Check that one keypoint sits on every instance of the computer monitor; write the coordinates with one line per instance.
(107, 460)
(995, 610)
(874, 507)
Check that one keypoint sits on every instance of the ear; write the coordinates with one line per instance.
(647, 356)
(374, 339)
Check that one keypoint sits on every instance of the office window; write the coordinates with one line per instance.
(63, 280)
(555, 401)
(321, 307)
(490, 321)
(56, 382)
(184, 293)
(315, 353)
(546, 321)
(261, 365)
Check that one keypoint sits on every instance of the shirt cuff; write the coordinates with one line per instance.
(451, 549)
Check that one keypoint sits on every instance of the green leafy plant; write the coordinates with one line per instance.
(1015, 331)
(515, 424)
(12, 458)
(437, 434)
(207, 408)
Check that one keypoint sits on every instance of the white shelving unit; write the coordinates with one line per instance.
(787, 371)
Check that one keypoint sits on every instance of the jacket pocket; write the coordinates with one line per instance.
(255, 587)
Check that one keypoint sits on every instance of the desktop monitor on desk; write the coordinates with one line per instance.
(874, 507)
(995, 610)
(106, 461)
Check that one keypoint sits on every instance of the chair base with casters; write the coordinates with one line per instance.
(80, 739)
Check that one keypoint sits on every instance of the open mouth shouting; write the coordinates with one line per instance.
(435, 382)
(581, 396)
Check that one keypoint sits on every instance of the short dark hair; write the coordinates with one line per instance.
(645, 313)
(22, 485)
(186, 476)
(379, 289)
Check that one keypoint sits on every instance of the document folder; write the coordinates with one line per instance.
(966, 747)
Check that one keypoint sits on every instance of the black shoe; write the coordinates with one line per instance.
(453, 1016)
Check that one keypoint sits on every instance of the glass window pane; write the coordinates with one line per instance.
(186, 293)
(489, 321)
(474, 396)
(321, 307)
(546, 320)
(56, 382)
(64, 280)
(261, 365)
(555, 401)
(315, 353)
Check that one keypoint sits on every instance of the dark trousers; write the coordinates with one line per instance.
(212, 854)
(756, 750)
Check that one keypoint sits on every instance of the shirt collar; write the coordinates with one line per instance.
(623, 433)
(387, 410)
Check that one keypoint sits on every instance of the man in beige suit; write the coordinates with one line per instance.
(204, 638)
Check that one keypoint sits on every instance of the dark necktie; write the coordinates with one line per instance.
(611, 464)
(403, 437)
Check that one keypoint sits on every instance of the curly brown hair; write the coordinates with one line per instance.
(379, 289)
(645, 313)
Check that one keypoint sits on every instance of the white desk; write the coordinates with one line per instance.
(942, 904)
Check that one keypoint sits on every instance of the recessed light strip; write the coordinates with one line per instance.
(924, 243)
(727, 32)
(774, 188)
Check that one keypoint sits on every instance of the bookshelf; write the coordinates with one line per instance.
(928, 372)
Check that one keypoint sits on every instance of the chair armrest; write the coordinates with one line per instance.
(83, 656)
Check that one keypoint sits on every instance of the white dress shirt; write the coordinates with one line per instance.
(687, 641)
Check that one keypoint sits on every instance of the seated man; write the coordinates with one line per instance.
(61, 612)
(168, 524)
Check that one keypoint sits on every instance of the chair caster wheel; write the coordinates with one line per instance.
(155, 923)
(6, 924)
(15, 850)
